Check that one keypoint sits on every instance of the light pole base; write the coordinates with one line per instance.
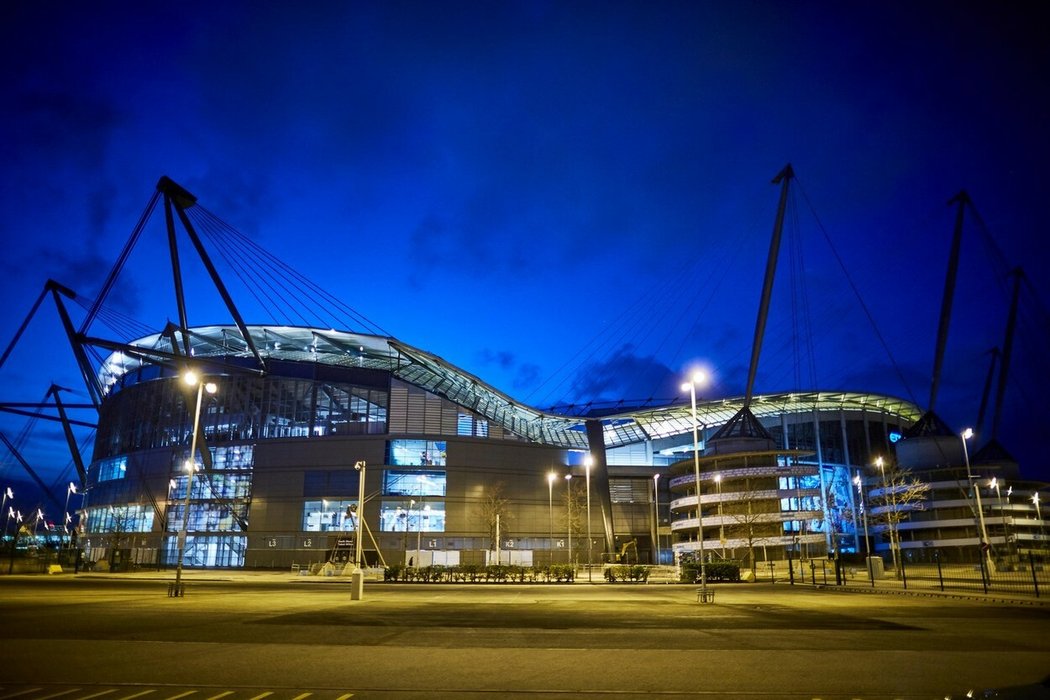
(357, 584)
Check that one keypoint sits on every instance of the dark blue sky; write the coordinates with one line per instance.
(571, 200)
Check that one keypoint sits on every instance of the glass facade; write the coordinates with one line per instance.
(158, 413)
(404, 516)
(219, 498)
(417, 453)
(330, 515)
(110, 469)
(108, 519)
(207, 551)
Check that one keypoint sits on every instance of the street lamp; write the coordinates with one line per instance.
(588, 462)
(191, 378)
(568, 511)
(698, 378)
(986, 547)
(8, 493)
(864, 514)
(1035, 502)
(891, 513)
(550, 506)
(656, 513)
(994, 484)
(357, 576)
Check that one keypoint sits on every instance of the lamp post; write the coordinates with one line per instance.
(656, 514)
(891, 513)
(1035, 502)
(68, 518)
(357, 576)
(550, 507)
(864, 515)
(191, 378)
(986, 546)
(568, 512)
(994, 484)
(8, 493)
(588, 462)
(697, 378)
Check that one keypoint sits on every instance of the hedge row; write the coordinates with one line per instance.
(716, 571)
(637, 572)
(474, 573)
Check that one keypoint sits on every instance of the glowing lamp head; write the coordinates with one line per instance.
(656, 477)
(211, 387)
(550, 477)
(190, 377)
(967, 434)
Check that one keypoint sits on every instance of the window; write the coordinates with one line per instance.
(336, 515)
(110, 469)
(408, 516)
(419, 453)
(413, 484)
(208, 551)
(122, 519)
(467, 424)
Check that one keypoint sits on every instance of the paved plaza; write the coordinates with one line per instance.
(278, 636)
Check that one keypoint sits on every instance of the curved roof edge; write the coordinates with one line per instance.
(434, 374)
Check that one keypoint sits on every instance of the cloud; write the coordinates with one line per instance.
(625, 375)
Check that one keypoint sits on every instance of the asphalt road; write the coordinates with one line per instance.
(275, 636)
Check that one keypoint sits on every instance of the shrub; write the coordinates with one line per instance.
(633, 572)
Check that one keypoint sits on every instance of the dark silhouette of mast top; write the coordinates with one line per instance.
(962, 199)
(783, 179)
(744, 432)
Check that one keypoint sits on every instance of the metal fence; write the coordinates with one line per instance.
(1026, 575)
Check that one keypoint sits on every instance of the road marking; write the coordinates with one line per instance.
(20, 692)
(345, 697)
(262, 695)
(221, 695)
(95, 695)
(58, 694)
(144, 692)
(182, 695)
(302, 696)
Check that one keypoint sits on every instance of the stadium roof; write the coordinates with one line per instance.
(430, 372)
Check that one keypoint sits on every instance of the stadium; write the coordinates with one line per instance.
(312, 443)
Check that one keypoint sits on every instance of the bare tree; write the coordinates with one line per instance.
(495, 506)
(749, 511)
(575, 513)
(900, 495)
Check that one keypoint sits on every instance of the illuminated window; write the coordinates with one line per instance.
(419, 453)
(110, 469)
(406, 516)
(330, 515)
(413, 484)
(119, 519)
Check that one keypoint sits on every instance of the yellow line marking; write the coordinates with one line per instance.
(344, 697)
(59, 694)
(302, 697)
(262, 695)
(221, 695)
(182, 695)
(144, 692)
(20, 692)
(95, 695)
